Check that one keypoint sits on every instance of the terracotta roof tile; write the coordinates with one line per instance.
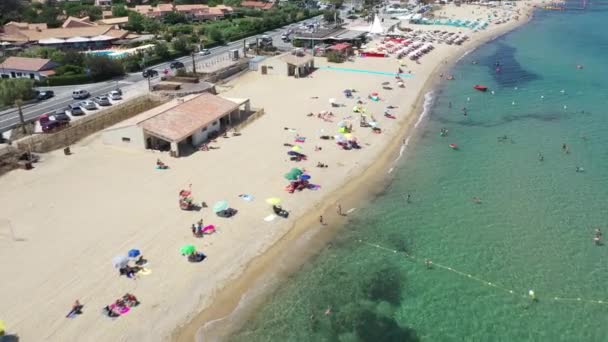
(182, 120)
(24, 63)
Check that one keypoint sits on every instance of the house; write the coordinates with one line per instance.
(179, 125)
(72, 22)
(78, 33)
(103, 3)
(192, 12)
(118, 21)
(257, 5)
(24, 67)
(298, 63)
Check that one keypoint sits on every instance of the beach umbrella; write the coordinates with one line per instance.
(296, 148)
(332, 100)
(134, 253)
(348, 135)
(342, 124)
(2, 327)
(120, 261)
(273, 201)
(187, 249)
(220, 206)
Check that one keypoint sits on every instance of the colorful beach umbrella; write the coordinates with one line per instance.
(120, 261)
(187, 249)
(134, 253)
(220, 206)
(296, 148)
(273, 201)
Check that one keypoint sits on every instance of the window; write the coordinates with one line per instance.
(32, 76)
(18, 74)
(13, 74)
(5, 76)
(125, 139)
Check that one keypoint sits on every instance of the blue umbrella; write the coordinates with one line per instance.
(304, 177)
(134, 253)
(220, 206)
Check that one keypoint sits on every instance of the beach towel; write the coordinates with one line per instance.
(246, 197)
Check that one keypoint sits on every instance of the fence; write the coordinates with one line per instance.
(249, 119)
(93, 123)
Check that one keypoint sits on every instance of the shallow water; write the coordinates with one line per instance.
(532, 231)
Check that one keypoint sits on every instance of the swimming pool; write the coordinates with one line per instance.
(108, 53)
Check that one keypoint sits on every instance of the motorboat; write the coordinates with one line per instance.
(480, 87)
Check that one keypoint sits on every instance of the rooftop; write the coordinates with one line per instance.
(297, 59)
(257, 4)
(184, 116)
(25, 63)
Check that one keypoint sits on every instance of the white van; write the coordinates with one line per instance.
(80, 94)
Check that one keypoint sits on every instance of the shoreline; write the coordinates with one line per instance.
(368, 184)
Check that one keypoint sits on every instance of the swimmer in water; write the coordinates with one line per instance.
(540, 157)
(476, 200)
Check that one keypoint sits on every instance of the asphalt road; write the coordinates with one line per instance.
(63, 95)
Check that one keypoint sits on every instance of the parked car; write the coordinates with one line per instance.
(80, 94)
(49, 124)
(88, 105)
(149, 73)
(103, 101)
(76, 110)
(118, 90)
(45, 94)
(61, 116)
(176, 65)
(204, 52)
(115, 96)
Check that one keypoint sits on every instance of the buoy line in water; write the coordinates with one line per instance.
(529, 295)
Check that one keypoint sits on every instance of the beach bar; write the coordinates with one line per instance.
(298, 63)
(179, 125)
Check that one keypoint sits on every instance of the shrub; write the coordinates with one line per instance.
(335, 57)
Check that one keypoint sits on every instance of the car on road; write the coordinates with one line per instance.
(45, 94)
(88, 105)
(176, 65)
(115, 96)
(149, 73)
(103, 101)
(204, 52)
(76, 110)
(118, 90)
(80, 94)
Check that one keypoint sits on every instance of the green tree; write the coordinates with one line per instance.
(136, 22)
(120, 11)
(102, 67)
(162, 50)
(151, 26)
(173, 18)
(10, 10)
(13, 89)
(215, 35)
(181, 45)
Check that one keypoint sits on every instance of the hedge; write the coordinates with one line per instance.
(71, 80)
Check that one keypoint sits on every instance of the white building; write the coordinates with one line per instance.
(24, 67)
(179, 125)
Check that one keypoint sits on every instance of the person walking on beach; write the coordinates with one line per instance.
(340, 210)
(321, 221)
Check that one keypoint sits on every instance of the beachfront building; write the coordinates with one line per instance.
(24, 67)
(298, 63)
(329, 36)
(179, 125)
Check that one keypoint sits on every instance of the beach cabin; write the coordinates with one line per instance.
(180, 125)
(298, 63)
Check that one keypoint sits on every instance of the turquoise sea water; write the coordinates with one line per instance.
(532, 231)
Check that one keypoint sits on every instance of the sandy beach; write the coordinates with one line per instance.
(62, 223)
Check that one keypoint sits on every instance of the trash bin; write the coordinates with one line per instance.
(264, 70)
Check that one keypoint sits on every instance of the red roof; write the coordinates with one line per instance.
(257, 4)
(26, 64)
(340, 46)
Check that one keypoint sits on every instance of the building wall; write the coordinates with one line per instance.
(8, 73)
(202, 135)
(130, 136)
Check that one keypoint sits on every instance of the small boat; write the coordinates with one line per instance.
(480, 87)
(453, 146)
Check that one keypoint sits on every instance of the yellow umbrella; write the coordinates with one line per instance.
(2, 328)
(273, 201)
(348, 135)
(296, 148)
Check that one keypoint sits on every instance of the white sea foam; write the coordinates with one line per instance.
(426, 107)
